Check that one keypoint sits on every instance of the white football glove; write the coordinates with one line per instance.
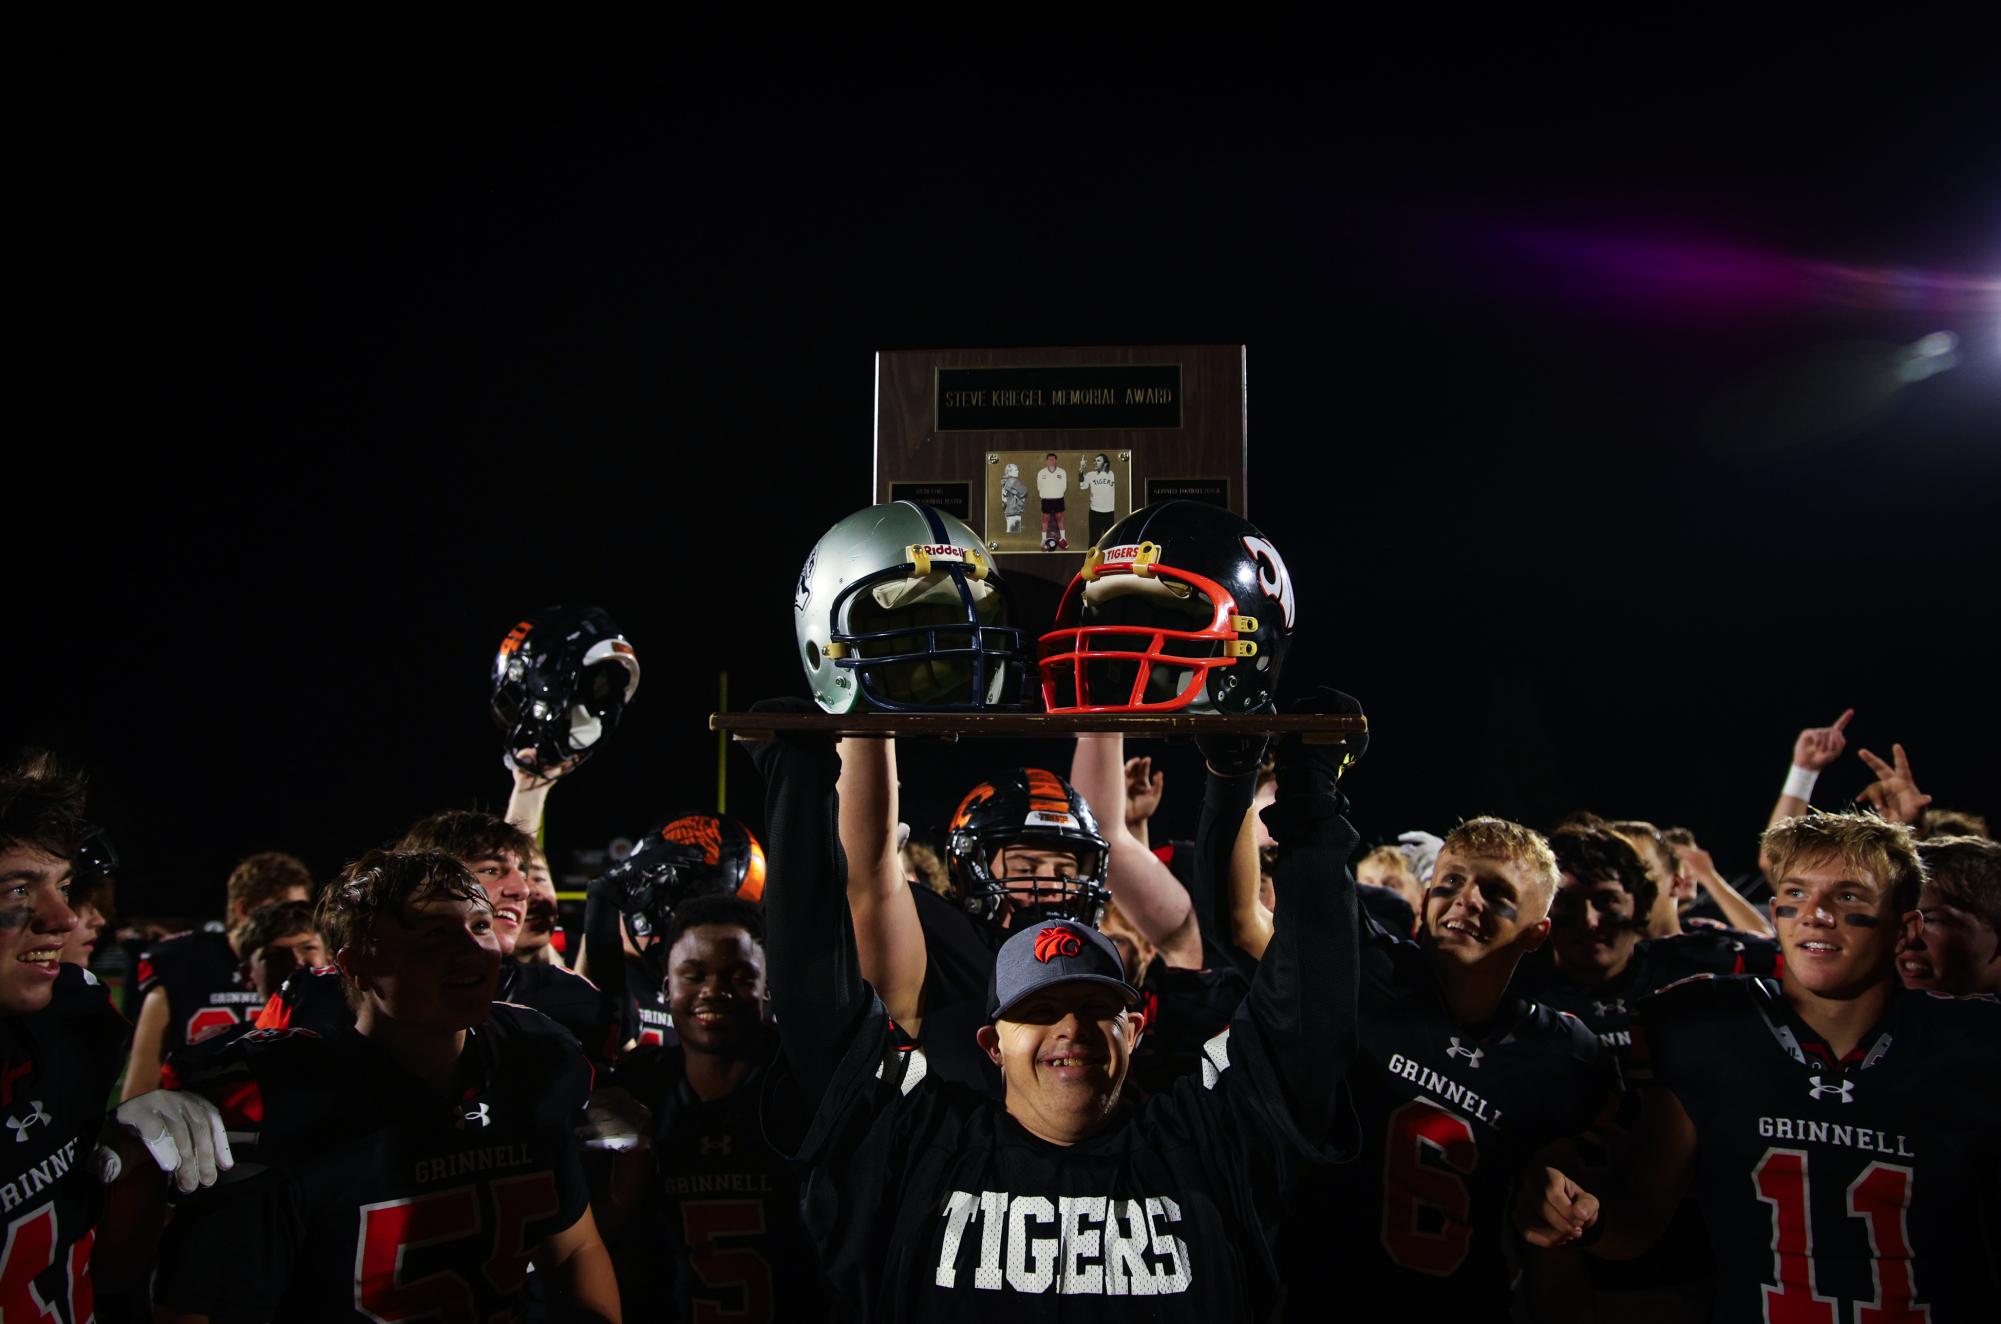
(184, 1134)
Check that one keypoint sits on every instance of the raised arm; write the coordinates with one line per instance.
(1304, 1001)
(1147, 891)
(1894, 794)
(1226, 849)
(1740, 914)
(887, 933)
(817, 993)
(1813, 749)
(1248, 922)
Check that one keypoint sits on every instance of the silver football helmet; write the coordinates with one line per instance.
(899, 608)
(1010, 470)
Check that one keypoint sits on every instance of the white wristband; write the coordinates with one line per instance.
(1799, 783)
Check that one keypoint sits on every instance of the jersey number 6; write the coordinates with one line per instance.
(1426, 1207)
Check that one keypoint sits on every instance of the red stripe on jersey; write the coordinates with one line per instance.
(11, 1072)
(242, 1104)
(275, 1015)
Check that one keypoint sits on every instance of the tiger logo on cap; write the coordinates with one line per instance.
(1056, 941)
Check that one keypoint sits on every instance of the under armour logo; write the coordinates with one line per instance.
(19, 1125)
(1616, 1007)
(1472, 1055)
(1846, 1089)
(1056, 941)
(481, 1115)
(722, 1144)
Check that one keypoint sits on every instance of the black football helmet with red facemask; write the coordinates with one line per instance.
(1181, 607)
(1037, 810)
(561, 681)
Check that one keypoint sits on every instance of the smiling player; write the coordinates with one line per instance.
(1462, 1083)
(719, 1232)
(931, 1201)
(1842, 1136)
(497, 853)
(411, 1167)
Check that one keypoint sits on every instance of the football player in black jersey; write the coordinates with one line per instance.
(1603, 965)
(718, 1232)
(61, 1043)
(1843, 1136)
(630, 908)
(1958, 947)
(192, 984)
(1675, 887)
(1021, 845)
(933, 1201)
(412, 1167)
(496, 851)
(1461, 1085)
(1602, 961)
(275, 942)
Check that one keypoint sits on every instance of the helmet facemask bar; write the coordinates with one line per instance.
(1141, 666)
(995, 656)
(1081, 896)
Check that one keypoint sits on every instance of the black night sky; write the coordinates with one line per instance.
(1568, 406)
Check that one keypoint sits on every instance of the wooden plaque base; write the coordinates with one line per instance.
(1315, 728)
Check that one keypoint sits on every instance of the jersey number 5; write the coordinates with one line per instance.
(1426, 1206)
(740, 1270)
(1879, 1197)
(393, 1227)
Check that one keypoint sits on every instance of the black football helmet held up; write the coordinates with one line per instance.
(561, 682)
(688, 856)
(1034, 808)
(1181, 607)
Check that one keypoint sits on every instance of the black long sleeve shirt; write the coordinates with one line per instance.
(930, 1202)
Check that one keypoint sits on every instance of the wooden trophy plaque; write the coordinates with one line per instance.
(1029, 446)
(1033, 446)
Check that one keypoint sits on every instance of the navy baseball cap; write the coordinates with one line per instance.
(1056, 951)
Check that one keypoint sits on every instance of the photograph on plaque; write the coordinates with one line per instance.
(1055, 501)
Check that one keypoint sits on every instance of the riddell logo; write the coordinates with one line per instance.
(697, 831)
(943, 551)
(1054, 942)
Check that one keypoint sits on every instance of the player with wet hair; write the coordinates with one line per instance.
(1842, 1136)
(412, 1166)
